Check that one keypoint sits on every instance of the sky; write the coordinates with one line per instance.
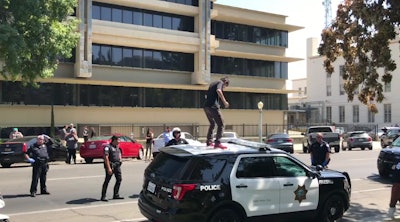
(309, 14)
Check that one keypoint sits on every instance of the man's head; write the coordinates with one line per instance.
(225, 80)
(15, 129)
(176, 132)
(40, 139)
(115, 140)
(319, 137)
(168, 129)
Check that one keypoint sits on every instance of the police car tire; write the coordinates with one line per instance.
(333, 209)
(225, 215)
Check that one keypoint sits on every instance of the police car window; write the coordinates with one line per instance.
(204, 169)
(252, 167)
(286, 167)
(168, 166)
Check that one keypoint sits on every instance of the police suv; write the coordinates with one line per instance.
(246, 181)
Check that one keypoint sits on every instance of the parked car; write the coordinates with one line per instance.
(228, 136)
(388, 157)
(356, 139)
(13, 151)
(389, 135)
(94, 147)
(245, 182)
(159, 140)
(281, 141)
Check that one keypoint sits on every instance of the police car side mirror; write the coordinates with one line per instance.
(311, 175)
(319, 168)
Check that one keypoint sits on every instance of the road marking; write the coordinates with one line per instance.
(72, 208)
(74, 178)
(370, 190)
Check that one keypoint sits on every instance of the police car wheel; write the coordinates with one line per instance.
(225, 215)
(333, 209)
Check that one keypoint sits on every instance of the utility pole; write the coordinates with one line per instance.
(328, 12)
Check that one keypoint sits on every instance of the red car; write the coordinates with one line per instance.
(94, 147)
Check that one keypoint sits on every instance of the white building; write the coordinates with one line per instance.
(328, 102)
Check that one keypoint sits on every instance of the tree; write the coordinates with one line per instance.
(361, 34)
(33, 35)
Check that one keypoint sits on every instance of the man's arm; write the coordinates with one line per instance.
(222, 97)
(107, 163)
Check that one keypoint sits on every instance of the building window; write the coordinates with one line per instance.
(341, 81)
(387, 113)
(356, 114)
(328, 85)
(185, 2)
(305, 90)
(142, 17)
(299, 91)
(328, 114)
(102, 95)
(342, 117)
(246, 33)
(371, 117)
(142, 58)
(388, 87)
(249, 67)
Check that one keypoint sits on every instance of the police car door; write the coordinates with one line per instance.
(298, 191)
(253, 185)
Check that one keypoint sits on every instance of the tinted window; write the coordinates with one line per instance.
(252, 167)
(204, 169)
(285, 167)
(168, 166)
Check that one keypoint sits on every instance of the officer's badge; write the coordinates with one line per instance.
(300, 193)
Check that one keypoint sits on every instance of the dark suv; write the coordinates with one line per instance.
(388, 157)
(246, 180)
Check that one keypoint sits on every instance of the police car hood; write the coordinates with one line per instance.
(327, 173)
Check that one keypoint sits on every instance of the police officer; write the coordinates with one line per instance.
(320, 152)
(176, 133)
(112, 165)
(38, 156)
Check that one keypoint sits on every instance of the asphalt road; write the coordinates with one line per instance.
(75, 191)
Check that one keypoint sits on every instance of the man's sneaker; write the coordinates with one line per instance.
(210, 144)
(391, 212)
(220, 146)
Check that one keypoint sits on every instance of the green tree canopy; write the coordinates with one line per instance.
(361, 34)
(34, 34)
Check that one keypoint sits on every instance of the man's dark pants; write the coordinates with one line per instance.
(39, 170)
(116, 167)
(214, 117)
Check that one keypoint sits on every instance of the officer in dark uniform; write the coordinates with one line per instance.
(112, 165)
(320, 152)
(176, 133)
(38, 156)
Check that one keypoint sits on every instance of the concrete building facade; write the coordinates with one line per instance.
(150, 62)
(328, 100)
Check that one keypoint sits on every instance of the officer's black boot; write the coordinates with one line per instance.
(103, 192)
(116, 191)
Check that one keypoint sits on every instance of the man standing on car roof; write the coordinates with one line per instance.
(320, 152)
(112, 165)
(39, 160)
(212, 110)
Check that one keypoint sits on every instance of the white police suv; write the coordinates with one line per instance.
(246, 181)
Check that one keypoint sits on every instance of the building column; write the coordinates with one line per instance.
(202, 63)
(83, 61)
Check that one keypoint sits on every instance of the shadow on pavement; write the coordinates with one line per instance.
(16, 196)
(83, 201)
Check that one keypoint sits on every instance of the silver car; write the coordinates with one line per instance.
(357, 139)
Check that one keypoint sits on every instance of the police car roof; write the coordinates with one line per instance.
(233, 147)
